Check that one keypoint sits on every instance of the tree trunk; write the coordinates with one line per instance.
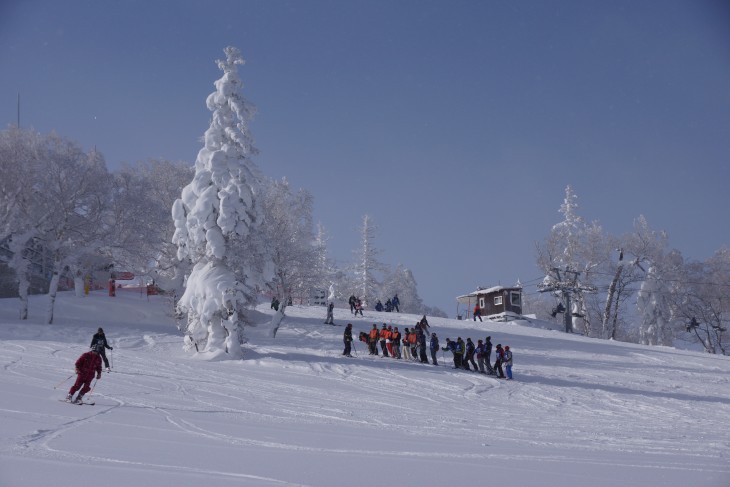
(52, 290)
(607, 332)
(278, 317)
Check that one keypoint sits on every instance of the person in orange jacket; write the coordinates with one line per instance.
(389, 341)
(373, 340)
(395, 338)
(412, 342)
(384, 336)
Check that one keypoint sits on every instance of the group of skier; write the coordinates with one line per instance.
(392, 304)
(88, 365)
(412, 345)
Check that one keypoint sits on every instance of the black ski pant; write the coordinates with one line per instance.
(470, 359)
(498, 369)
(103, 357)
(348, 347)
(457, 361)
(424, 358)
(384, 348)
(433, 357)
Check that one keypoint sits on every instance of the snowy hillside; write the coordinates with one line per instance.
(580, 412)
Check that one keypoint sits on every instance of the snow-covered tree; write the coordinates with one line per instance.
(290, 240)
(401, 282)
(140, 216)
(704, 302)
(218, 222)
(366, 263)
(570, 257)
(75, 190)
(325, 272)
(19, 164)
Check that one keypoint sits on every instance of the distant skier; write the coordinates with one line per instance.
(499, 360)
(330, 314)
(469, 355)
(434, 348)
(477, 313)
(395, 302)
(100, 339)
(507, 360)
(351, 302)
(86, 365)
(347, 338)
(358, 307)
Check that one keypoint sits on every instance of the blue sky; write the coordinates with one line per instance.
(455, 124)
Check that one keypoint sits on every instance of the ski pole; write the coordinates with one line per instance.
(354, 349)
(92, 387)
(111, 358)
(64, 380)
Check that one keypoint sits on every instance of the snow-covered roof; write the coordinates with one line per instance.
(469, 298)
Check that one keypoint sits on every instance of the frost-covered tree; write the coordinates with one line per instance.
(290, 240)
(367, 264)
(704, 302)
(218, 222)
(140, 216)
(570, 257)
(325, 271)
(19, 164)
(401, 282)
(75, 193)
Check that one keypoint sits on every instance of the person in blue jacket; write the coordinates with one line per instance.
(434, 348)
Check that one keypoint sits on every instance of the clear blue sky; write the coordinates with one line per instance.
(455, 124)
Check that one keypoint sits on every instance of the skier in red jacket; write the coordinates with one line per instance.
(86, 365)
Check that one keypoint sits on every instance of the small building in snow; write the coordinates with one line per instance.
(497, 303)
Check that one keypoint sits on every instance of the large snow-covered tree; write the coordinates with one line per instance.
(218, 221)
(570, 257)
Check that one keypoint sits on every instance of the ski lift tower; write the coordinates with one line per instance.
(566, 284)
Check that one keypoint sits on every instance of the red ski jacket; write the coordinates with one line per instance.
(88, 364)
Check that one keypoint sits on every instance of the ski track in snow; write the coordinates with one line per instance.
(592, 394)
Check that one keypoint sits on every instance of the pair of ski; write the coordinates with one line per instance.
(81, 403)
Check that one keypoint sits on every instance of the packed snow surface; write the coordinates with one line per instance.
(580, 412)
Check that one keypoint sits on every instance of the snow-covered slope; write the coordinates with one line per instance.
(580, 412)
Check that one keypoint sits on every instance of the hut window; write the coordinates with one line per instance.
(515, 297)
(481, 303)
(498, 300)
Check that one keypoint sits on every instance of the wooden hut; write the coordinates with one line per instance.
(498, 303)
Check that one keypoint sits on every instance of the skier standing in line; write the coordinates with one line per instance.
(100, 339)
(395, 339)
(434, 348)
(384, 336)
(421, 339)
(488, 355)
(86, 365)
(499, 360)
(508, 361)
(480, 350)
(469, 355)
(347, 338)
(406, 345)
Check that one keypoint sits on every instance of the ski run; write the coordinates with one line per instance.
(295, 412)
